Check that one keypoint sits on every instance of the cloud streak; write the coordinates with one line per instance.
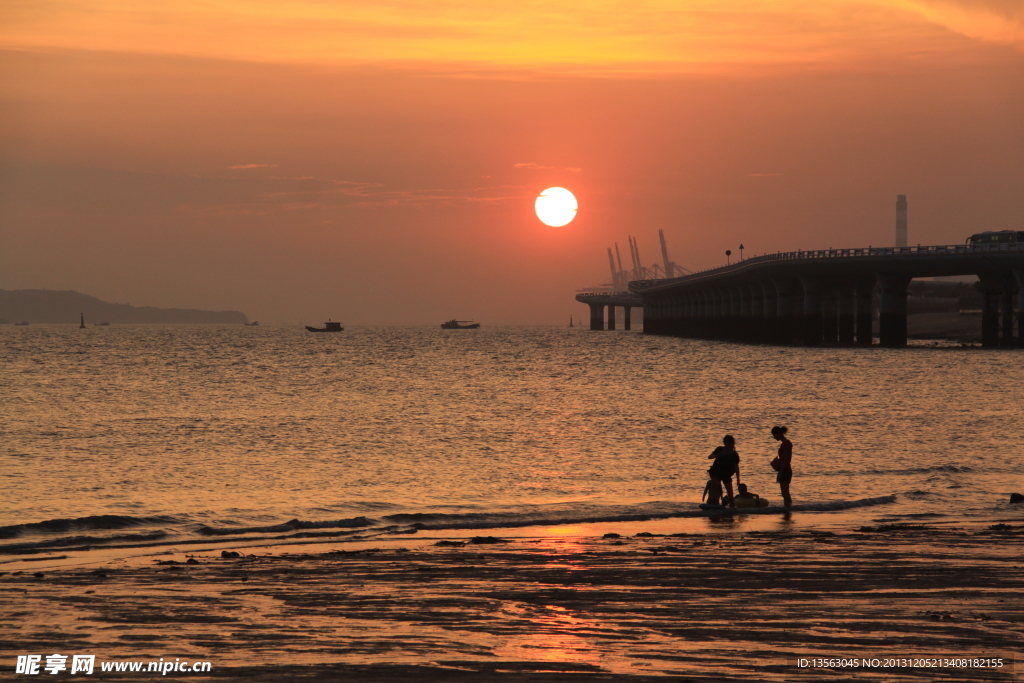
(311, 194)
(91, 191)
(537, 167)
(999, 21)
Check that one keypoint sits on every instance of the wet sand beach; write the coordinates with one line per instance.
(693, 606)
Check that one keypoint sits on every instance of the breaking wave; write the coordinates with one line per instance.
(947, 469)
(95, 522)
(353, 523)
(640, 513)
(77, 542)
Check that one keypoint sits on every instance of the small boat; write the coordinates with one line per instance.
(21, 324)
(254, 323)
(454, 324)
(329, 326)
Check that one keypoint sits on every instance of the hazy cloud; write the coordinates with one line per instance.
(298, 194)
(94, 191)
(537, 167)
(243, 166)
(647, 37)
(999, 21)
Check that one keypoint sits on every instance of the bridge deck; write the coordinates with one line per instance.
(822, 297)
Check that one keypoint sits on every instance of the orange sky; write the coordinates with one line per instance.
(378, 164)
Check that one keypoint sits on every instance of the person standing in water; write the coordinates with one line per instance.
(726, 463)
(785, 464)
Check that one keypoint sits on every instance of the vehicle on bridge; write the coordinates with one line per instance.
(996, 237)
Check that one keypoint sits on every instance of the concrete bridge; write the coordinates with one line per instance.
(598, 301)
(823, 297)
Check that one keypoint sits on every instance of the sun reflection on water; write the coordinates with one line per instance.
(556, 634)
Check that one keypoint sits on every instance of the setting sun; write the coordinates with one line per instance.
(556, 206)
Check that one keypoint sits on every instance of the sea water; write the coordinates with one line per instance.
(160, 434)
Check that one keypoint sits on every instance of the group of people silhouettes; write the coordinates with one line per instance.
(727, 463)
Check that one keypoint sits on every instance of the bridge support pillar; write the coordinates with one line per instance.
(830, 316)
(717, 327)
(732, 313)
(847, 318)
(769, 313)
(730, 308)
(679, 321)
(741, 312)
(596, 316)
(785, 306)
(1008, 311)
(892, 309)
(865, 316)
(1019, 277)
(706, 312)
(711, 306)
(696, 319)
(755, 318)
(810, 323)
(611, 317)
(627, 312)
(689, 313)
(990, 318)
(993, 292)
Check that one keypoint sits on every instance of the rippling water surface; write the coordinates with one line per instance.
(180, 428)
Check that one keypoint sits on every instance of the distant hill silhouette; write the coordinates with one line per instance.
(46, 306)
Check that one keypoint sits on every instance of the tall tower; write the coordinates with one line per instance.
(901, 220)
(616, 276)
(670, 268)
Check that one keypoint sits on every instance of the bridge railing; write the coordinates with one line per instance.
(919, 250)
(624, 294)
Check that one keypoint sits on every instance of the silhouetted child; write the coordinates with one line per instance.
(727, 463)
(713, 492)
(746, 494)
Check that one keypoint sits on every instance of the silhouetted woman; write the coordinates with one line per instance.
(726, 464)
(785, 463)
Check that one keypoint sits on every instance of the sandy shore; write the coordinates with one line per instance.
(700, 607)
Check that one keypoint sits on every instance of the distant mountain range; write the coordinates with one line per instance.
(46, 306)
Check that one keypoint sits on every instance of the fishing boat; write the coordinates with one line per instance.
(454, 324)
(329, 326)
